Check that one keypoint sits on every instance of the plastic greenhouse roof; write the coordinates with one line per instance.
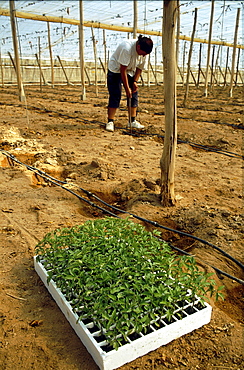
(111, 12)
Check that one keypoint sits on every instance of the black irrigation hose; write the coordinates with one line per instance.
(211, 149)
(234, 125)
(58, 183)
(89, 194)
(218, 271)
(136, 134)
(165, 227)
(200, 146)
(54, 181)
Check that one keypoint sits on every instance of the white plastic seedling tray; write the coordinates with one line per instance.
(138, 345)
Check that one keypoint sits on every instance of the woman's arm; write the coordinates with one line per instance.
(123, 72)
(136, 79)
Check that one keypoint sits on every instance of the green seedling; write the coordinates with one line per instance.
(121, 276)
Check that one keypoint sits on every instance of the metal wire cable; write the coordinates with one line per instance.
(60, 184)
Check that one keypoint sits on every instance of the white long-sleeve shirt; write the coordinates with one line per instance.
(126, 55)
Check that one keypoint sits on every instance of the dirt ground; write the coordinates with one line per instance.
(65, 137)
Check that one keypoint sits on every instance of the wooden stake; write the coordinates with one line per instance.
(209, 49)
(181, 75)
(148, 71)
(167, 161)
(38, 57)
(105, 56)
(42, 77)
(65, 74)
(154, 74)
(199, 65)
(81, 49)
(183, 62)
(178, 32)
(12, 60)
(189, 59)
(204, 76)
(100, 60)
(1, 66)
(226, 66)
(135, 20)
(237, 66)
(95, 58)
(193, 77)
(240, 75)
(222, 74)
(216, 65)
(16, 51)
(212, 67)
(87, 76)
(213, 75)
(234, 52)
(50, 53)
(155, 65)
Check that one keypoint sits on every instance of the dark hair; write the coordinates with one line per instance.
(146, 44)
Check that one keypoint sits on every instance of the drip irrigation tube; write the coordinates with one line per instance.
(136, 134)
(200, 146)
(234, 125)
(218, 271)
(154, 223)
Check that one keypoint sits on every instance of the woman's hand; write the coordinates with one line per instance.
(135, 87)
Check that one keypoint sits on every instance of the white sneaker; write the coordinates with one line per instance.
(110, 126)
(135, 124)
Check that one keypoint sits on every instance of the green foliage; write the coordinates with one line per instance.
(120, 275)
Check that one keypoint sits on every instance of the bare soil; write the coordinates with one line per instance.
(65, 137)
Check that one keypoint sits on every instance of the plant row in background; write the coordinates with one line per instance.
(121, 276)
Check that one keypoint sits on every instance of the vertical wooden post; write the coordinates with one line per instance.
(1, 67)
(16, 51)
(81, 49)
(189, 58)
(199, 65)
(167, 161)
(148, 70)
(216, 64)
(155, 66)
(226, 66)
(183, 62)
(50, 53)
(38, 57)
(105, 56)
(209, 49)
(178, 32)
(237, 66)
(95, 58)
(234, 52)
(135, 21)
(177, 37)
(212, 67)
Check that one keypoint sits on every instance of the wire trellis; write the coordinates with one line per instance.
(65, 36)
